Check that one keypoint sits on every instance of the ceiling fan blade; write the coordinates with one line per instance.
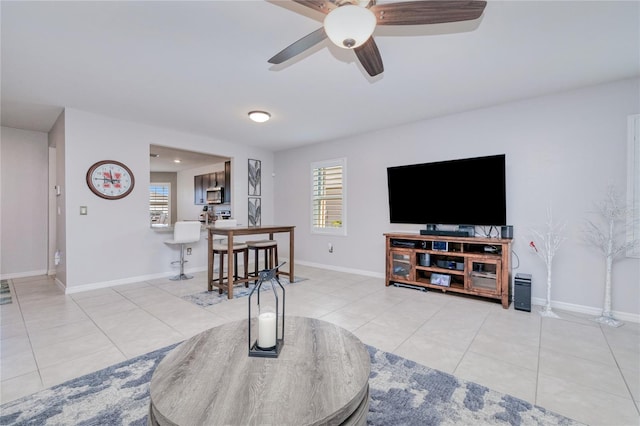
(299, 46)
(427, 12)
(324, 6)
(369, 57)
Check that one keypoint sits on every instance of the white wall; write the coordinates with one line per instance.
(24, 220)
(561, 151)
(59, 212)
(114, 243)
(51, 244)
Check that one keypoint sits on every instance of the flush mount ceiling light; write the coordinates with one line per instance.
(349, 26)
(259, 116)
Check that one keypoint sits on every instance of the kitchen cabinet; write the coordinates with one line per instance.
(200, 185)
(203, 182)
(227, 182)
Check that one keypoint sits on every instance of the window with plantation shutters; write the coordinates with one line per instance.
(159, 204)
(328, 197)
(633, 184)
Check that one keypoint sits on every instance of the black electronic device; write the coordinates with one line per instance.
(506, 232)
(415, 287)
(483, 204)
(444, 233)
(470, 230)
(522, 292)
(404, 243)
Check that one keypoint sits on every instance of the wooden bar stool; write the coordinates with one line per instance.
(221, 250)
(270, 248)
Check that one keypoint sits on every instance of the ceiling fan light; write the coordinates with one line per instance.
(259, 116)
(349, 26)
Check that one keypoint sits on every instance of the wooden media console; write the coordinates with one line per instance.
(468, 265)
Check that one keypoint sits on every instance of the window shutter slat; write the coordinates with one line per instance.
(159, 203)
(327, 188)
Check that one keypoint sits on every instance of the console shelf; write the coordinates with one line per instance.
(469, 265)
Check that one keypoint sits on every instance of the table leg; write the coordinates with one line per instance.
(230, 271)
(291, 259)
(210, 262)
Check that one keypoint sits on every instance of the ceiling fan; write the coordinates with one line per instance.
(350, 24)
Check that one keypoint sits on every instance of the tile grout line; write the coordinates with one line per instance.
(572, 381)
(421, 325)
(158, 318)
(535, 397)
(464, 354)
(635, 403)
(99, 328)
(26, 329)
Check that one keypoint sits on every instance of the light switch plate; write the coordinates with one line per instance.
(83, 210)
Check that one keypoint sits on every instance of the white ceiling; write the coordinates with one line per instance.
(199, 67)
(164, 159)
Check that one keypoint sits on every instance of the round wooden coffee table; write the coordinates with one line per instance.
(320, 377)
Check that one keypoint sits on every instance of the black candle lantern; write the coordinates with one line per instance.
(270, 317)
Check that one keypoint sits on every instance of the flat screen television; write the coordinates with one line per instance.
(469, 191)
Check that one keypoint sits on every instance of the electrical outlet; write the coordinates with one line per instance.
(188, 250)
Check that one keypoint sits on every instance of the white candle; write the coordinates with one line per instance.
(267, 330)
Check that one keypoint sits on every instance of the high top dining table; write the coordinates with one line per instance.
(245, 230)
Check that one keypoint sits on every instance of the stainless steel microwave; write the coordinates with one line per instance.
(215, 195)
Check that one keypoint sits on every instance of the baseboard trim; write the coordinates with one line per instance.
(588, 310)
(14, 275)
(341, 269)
(61, 285)
(129, 280)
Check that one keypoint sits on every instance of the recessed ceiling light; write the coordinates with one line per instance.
(177, 161)
(259, 116)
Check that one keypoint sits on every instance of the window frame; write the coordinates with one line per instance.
(169, 195)
(339, 231)
(633, 184)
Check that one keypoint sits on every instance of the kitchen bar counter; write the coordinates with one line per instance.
(168, 229)
(245, 230)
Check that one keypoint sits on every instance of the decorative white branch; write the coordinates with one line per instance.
(611, 211)
(549, 241)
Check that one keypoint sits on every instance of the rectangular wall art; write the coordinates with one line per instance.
(255, 216)
(255, 177)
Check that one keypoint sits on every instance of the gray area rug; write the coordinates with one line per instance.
(209, 298)
(402, 393)
(5, 293)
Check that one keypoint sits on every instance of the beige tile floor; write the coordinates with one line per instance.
(572, 365)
